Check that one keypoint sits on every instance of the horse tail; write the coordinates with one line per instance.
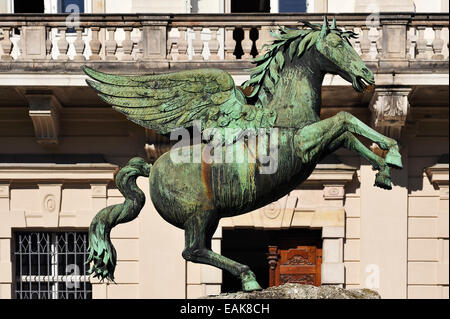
(101, 250)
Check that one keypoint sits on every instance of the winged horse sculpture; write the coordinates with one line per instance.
(285, 95)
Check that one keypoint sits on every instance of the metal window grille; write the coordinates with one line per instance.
(51, 265)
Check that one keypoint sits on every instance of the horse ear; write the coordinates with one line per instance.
(325, 27)
(333, 24)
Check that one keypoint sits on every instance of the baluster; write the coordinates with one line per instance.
(230, 44)
(127, 44)
(111, 45)
(95, 44)
(63, 45)
(140, 46)
(246, 44)
(182, 44)
(259, 42)
(448, 42)
(437, 44)
(48, 43)
(214, 44)
(263, 38)
(171, 43)
(379, 42)
(408, 43)
(197, 44)
(79, 45)
(172, 46)
(20, 44)
(421, 44)
(6, 44)
(365, 44)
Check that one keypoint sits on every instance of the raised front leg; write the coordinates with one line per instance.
(320, 139)
(349, 141)
(354, 125)
(331, 128)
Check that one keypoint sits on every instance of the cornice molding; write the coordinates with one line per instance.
(438, 174)
(103, 172)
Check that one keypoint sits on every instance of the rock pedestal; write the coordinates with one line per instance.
(298, 291)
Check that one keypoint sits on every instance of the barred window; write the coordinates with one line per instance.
(51, 265)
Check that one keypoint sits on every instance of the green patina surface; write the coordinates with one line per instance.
(286, 95)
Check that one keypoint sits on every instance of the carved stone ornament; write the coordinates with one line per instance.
(44, 112)
(155, 145)
(389, 107)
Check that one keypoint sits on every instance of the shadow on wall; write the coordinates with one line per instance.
(416, 184)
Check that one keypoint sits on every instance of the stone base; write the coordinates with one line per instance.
(298, 291)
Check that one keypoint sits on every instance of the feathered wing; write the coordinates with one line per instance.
(164, 102)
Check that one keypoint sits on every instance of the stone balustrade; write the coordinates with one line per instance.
(393, 41)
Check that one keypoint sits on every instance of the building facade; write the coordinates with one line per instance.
(60, 147)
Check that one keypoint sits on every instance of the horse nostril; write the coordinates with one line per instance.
(366, 71)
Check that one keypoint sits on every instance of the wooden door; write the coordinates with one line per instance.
(296, 265)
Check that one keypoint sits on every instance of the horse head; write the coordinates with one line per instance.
(341, 58)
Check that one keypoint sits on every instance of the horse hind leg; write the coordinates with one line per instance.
(199, 229)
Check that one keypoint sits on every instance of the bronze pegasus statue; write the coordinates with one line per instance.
(285, 95)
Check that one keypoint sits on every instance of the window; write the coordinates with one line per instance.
(27, 6)
(250, 6)
(49, 6)
(68, 6)
(292, 5)
(51, 265)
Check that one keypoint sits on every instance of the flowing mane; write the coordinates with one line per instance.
(288, 43)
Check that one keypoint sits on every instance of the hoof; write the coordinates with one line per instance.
(249, 282)
(383, 179)
(393, 157)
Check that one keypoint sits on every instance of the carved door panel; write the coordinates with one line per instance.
(298, 265)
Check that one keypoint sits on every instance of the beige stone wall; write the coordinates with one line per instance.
(352, 235)
(428, 223)
(151, 268)
(4, 6)
(145, 264)
(47, 196)
(401, 236)
(149, 261)
(393, 241)
(372, 6)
